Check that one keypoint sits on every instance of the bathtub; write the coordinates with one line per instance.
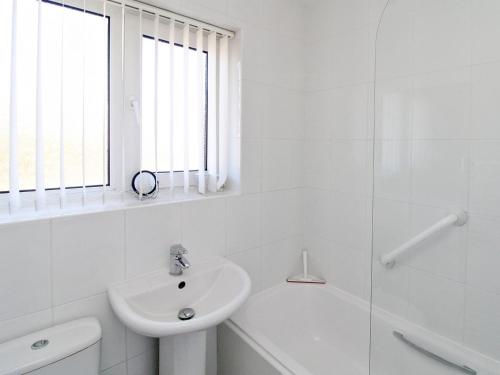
(298, 329)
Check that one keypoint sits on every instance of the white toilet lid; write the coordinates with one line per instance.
(44, 347)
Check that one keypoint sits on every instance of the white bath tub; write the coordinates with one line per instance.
(320, 330)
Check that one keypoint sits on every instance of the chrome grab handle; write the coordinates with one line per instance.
(464, 369)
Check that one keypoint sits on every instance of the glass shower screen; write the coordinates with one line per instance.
(436, 201)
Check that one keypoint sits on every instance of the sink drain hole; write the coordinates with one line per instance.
(186, 314)
(39, 344)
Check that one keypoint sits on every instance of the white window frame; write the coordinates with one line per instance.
(123, 144)
(132, 90)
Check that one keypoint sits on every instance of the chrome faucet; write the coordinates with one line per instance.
(178, 263)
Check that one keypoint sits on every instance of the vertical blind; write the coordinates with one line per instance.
(204, 46)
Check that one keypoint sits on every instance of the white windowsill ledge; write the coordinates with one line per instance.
(127, 200)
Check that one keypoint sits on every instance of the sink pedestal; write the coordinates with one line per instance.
(183, 354)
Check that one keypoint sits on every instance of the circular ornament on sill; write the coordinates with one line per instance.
(146, 182)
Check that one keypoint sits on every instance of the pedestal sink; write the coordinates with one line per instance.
(151, 305)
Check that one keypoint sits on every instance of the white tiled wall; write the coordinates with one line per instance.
(56, 270)
(338, 140)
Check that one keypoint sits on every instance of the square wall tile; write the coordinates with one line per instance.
(282, 62)
(335, 17)
(24, 268)
(441, 105)
(485, 178)
(485, 30)
(317, 160)
(88, 253)
(318, 72)
(345, 16)
(204, 227)
(347, 268)
(252, 108)
(350, 220)
(351, 59)
(394, 109)
(482, 322)
(318, 115)
(277, 164)
(485, 109)
(392, 171)
(316, 11)
(317, 212)
(252, 59)
(437, 304)
(113, 332)
(390, 288)
(150, 231)
(350, 112)
(282, 112)
(441, 35)
(251, 262)
(351, 167)
(274, 9)
(243, 218)
(280, 215)
(483, 256)
(440, 173)
(251, 166)
(288, 252)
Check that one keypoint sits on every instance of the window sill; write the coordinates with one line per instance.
(129, 200)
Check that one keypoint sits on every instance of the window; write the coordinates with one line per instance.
(74, 82)
(92, 92)
(148, 108)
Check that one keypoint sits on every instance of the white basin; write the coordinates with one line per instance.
(149, 304)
